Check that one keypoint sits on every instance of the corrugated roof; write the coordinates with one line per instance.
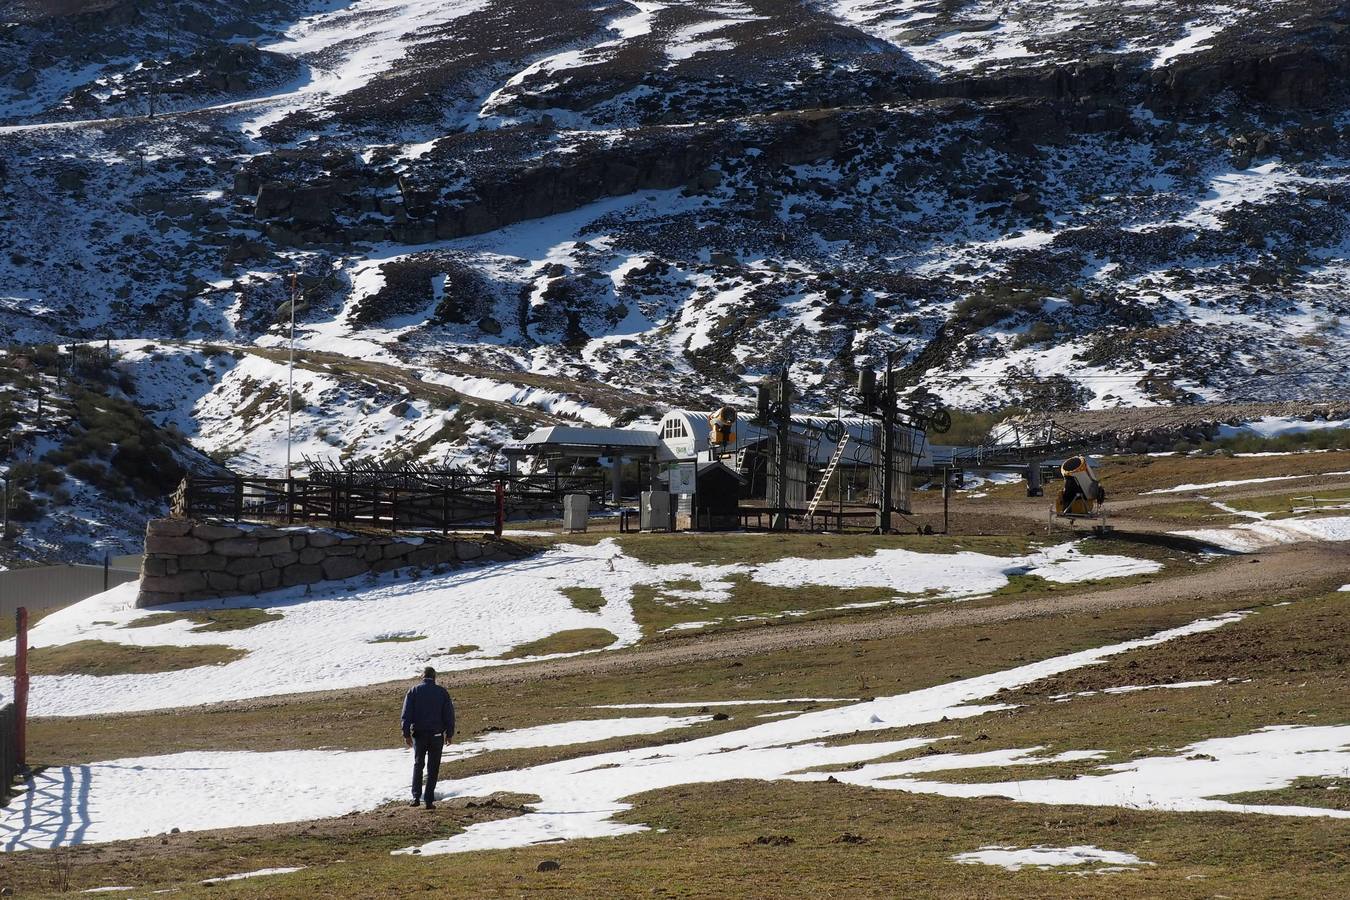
(572, 436)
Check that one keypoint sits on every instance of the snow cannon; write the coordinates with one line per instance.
(1082, 495)
(723, 425)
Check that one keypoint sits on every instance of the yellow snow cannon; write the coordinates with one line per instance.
(1082, 495)
(723, 426)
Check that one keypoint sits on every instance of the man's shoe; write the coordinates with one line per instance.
(430, 805)
(415, 802)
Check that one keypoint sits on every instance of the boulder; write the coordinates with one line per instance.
(467, 551)
(323, 539)
(248, 565)
(215, 532)
(155, 565)
(298, 574)
(312, 556)
(398, 549)
(169, 527)
(171, 545)
(339, 567)
(183, 583)
(274, 546)
(220, 581)
(244, 546)
(206, 562)
(154, 598)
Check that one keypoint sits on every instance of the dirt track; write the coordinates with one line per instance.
(1255, 576)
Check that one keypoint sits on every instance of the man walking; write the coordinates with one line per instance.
(428, 722)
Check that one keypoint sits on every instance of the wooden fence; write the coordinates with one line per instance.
(9, 751)
(393, 500)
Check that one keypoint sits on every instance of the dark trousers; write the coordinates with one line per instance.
(426, 751)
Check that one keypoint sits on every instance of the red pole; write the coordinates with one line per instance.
(501, 510)
(21, 683)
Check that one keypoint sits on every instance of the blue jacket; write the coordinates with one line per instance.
(427, 710)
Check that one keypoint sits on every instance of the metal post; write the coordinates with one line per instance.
(946, 493)
(780, 521)
(887, 448)
(107, 564)
(21, 684)
(501, 510)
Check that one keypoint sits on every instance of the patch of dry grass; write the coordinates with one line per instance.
(572, 641)
(103, 658)
(210, 619)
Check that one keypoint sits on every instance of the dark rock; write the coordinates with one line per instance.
(170, 545)
(339, 567)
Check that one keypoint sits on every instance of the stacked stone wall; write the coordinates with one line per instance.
(194, 560)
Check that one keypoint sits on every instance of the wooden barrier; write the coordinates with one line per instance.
(51, 587)
(9, 753)
(392, 500)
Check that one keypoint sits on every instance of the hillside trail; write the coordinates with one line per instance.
(1038, 510)
(1251, 578)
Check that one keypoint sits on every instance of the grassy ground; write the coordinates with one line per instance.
(360, 718)
(103, 658)
(758, 549)
(211, 619)
(585, 599)
(1285, 664)
(1280, 505)
(788, 839)
(663, 609)
(1131, 476)
(573, 641)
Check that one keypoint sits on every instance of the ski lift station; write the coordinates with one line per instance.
(831, 464)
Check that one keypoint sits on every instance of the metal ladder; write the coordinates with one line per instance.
(827, 474)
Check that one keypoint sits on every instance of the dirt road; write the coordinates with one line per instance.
(1257, 576)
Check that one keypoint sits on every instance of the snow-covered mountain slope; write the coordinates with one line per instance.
(508, 212)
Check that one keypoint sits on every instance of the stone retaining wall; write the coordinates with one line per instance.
(192, 560)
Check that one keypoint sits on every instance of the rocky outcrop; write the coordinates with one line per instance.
(193, 560)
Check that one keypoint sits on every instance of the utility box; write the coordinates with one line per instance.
(655, 511)
(576, 512)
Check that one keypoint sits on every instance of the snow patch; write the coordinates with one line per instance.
(1252, 536)
(1040, 857)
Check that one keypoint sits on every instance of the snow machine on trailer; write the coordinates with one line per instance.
(1082, 495)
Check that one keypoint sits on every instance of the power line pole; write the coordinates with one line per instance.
(290, 381)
